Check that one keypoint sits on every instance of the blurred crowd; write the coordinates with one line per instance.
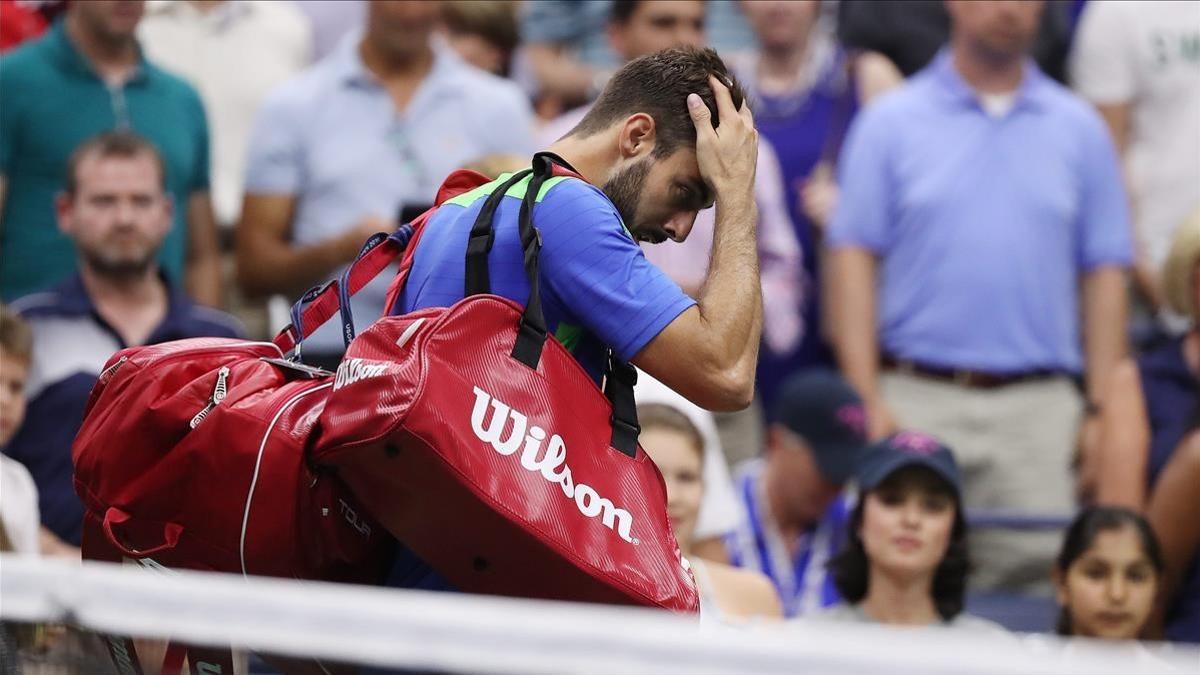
(981, 287)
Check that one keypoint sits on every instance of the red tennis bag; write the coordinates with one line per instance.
(480, 443)
(192, 455)
(196, 453)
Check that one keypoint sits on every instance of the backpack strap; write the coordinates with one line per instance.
(319, 303)
(483, 235)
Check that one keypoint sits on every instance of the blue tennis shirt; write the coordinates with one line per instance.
(598, 289)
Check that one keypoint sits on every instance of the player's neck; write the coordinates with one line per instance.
(588, 156)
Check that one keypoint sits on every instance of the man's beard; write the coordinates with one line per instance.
(120, 268)
(624, 190)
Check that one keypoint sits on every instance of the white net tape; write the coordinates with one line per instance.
(465, 633)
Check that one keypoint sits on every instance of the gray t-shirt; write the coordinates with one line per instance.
(855, 614)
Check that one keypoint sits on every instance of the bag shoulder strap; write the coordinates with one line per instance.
(318, 305)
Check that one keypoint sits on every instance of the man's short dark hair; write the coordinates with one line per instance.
(658, 85)
(125, 144)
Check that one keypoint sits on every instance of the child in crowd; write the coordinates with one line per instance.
(905, 562)
(1107, 575)
(19, 519)
(677, 448)
(1148, 457)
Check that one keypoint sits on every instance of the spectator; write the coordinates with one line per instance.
(909, 33)
(1107, 575)
(116, 210)
(720, 509)
(905, 563)
(984, 203)
(1137, 62)
(1148, 455)
(233, 52)
(804, 100)
(677, 448)
(19, 521)
(568, 54)
(358, 142)
(483, 32)
(795, 506)
(639, 29)
(86, 75)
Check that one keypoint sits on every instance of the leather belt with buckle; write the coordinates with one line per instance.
(973, 379)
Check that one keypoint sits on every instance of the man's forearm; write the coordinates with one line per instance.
(1104, 315)
(851, 303)
(731, 298)
(282, 267)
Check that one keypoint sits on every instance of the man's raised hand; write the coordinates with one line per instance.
(728, 154)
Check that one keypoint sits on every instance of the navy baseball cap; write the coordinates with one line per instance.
(902, 450)
(823, 409)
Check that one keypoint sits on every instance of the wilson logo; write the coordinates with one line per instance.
(551, 464)
(353, 370)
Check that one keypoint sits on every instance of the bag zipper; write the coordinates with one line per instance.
(218, 395)
(112, 369)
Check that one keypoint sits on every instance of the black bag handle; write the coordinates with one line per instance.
(619, 377)
(482, 237)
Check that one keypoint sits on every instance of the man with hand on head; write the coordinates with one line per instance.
(669, 135)
(642, 27)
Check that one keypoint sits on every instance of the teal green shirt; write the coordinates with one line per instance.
(50, 101)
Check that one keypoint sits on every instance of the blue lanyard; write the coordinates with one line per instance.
(800, 579)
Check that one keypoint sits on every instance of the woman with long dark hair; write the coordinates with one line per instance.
(905, 561)
(1108, 574)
